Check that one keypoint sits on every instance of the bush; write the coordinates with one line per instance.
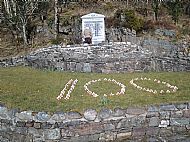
(132, 21)
(108, 6)
(125, 18)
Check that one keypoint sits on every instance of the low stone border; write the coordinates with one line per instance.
(165, 122)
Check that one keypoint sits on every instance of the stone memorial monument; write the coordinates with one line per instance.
(96, 24)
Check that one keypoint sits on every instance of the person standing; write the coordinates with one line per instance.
(87, 34)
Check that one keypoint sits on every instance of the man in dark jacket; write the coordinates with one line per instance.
(87, 34)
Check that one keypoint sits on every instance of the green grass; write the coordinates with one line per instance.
(32, 89)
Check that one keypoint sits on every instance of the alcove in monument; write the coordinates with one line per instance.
(97, 25)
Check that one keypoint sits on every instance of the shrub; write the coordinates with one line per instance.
(108, 6)
(132, 21)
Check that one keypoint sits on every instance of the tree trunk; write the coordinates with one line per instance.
(24, 34)
(14, 7)
(6, 5)
(56, 19)
(156, 16)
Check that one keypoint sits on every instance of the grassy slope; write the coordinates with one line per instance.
(36, 90)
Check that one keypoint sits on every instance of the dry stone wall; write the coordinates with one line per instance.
(165, 122)
(114, 57)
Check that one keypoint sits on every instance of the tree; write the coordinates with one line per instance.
(65, 2)
(18, 14)
(186, 7)
(156, 7)
(42, 10)
(175, 9)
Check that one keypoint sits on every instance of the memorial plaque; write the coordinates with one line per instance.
(96, 24)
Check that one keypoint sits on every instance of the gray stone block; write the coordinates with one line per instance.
(165, 114)
(57, 117)
(24, 116)
(135, 111)
(104, 113)
(107, 136)
(73, 115)
(3, 112)
(35, 132)
(90, 114)
(21, 130)
(152, 114)
(183, 106)
(87, 67)
(154, 121)
(125, 124)
(186, 113)
(177, 114)
(67, 133)
(109, 127)
(79, 67)
(118, 112)
(42, 117)
(152, 131)
(138, 121)
(179, 121)
(179, 130)
(124, 136)
(153, 109)
(165, 132)
(20, 138)
(138, 132)
(45, 125)
(52, 134)
(166, 107)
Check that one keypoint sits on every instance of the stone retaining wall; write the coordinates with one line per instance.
(165, 122)
(113, 57)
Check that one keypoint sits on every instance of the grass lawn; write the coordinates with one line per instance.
(36, 90)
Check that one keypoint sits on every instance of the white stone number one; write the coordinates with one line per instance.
(72, 83)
